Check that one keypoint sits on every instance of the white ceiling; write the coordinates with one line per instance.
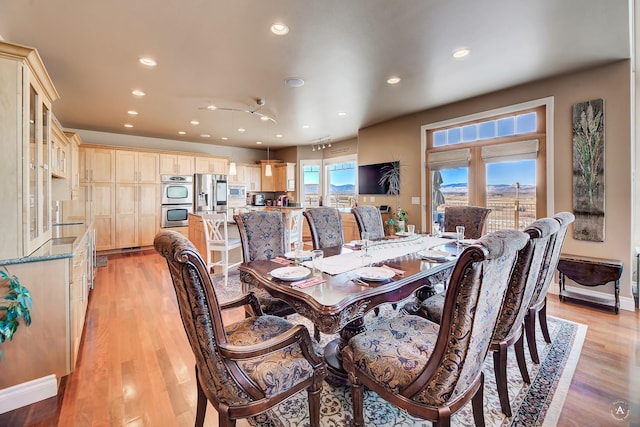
(222, 52)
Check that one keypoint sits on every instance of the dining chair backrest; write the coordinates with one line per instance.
(369, 219)
(524, 278)
(262, 234)
(325, 225)
(200, 313)
(473, 302)
(294, 225)
(473, 218)
(551, 258)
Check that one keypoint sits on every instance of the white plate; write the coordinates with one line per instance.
(291, 274)
(404, 233)
(375, 274)
(434, 255)
(305, 255)
(449, 234)
(467, 242)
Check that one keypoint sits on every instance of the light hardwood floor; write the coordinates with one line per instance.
(136, 367)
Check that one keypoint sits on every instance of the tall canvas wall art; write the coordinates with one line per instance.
(588, 170)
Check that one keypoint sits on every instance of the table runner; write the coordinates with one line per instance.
(380, 251)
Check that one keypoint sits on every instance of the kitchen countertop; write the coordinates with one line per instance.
(64, 244)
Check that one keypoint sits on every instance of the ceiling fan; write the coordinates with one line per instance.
(260, 102)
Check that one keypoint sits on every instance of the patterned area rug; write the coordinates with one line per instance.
(537, 404)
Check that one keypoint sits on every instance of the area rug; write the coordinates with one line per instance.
(537, 404)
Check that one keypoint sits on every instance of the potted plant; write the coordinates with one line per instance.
(391, 179)
(16, 304)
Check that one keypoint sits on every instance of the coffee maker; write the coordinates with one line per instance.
(258, 200)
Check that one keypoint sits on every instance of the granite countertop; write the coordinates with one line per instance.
(65, 242)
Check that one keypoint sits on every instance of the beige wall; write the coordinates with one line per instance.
(400, 139)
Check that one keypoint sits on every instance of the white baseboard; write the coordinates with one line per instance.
(27, 393)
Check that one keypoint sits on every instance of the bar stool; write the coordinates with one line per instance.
(294, 227)
(217, 237)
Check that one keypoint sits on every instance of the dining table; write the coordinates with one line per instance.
(339, 295)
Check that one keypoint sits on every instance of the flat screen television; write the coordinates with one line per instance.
(369, 178)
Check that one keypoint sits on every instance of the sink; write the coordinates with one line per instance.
(63, 240)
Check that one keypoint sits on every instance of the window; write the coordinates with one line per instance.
(495, 162)
(331, 180)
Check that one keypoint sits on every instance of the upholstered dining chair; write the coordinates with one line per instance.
(262, 236)
(431, 370)
(325, 225)
(538, 302)
(509, 328)
(369, 219)
(243, 368)
(472, 217)
(216, 234)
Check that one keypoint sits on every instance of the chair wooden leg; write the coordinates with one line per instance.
(313, 394)
(316, 333)
(201, 406)
(530, 329)
(542, 316)
(357, 397)
(500, 370)
(477, 404)
(444, 417)
(522, 363)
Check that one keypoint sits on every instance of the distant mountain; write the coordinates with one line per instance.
(491, 189)
(335, 189)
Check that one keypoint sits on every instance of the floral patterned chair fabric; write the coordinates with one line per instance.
(262, 235)
(431, 371)
(325, 225)
(245, 368)
(369, 219)
(538, 302)
(472, 217)
(509, 329)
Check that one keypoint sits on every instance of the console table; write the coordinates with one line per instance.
(588, 271)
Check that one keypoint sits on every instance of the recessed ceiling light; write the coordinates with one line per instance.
(149, 62)
(265, 118)
(461, 53)
(211, 107)
(132, 112)
(259, 142)
(224, 138)
(342, 113)
(305, 126)
(181, 132)
(393, 80)
(128, 125)
(194, 122)
(279, 135)
(138, 92)
(205, 135)
(279, 29)
(294, 82)
(241, 130)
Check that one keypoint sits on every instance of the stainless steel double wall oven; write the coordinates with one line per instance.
(177, 200)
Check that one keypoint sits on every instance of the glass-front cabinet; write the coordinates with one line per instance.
(25, 132)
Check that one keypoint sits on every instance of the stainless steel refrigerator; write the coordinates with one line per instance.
(210, 192)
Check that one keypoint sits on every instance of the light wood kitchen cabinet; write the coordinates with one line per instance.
(137, 206)
(26, 95)
(103, 202)
(176, 164)
(74, 174)
(60, 151)
(97, 164)
(81, 266)
(254, 173)
(214, 165)
(137, 166)
(285, 177)
(268, 183)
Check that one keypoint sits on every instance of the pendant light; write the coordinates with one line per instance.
(232, 169)
(267, 169)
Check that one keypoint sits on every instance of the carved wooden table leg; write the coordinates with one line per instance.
(333, 356)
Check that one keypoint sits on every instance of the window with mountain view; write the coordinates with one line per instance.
(331, 180)
(494, 162)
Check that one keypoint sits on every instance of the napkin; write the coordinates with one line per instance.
(395, 270)
(280, 260)
(307, 282)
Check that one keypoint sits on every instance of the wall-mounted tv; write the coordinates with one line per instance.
(369, 178)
